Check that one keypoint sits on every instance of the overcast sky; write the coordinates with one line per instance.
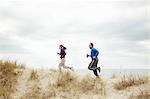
(32, 30)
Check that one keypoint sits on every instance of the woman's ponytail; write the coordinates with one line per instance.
(64, 48)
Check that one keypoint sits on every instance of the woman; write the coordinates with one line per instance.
(62, 56)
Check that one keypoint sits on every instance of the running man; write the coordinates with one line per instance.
(62, 57)
(94, 62)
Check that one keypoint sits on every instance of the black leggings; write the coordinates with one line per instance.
(95, 72)
(93, 66)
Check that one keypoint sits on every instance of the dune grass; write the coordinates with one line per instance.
(87, 85)
(50, 92)
(70, 86)
(66, 82)
(8, 78)
(144, 94)
(113, 76)
(131, 80)
(64, 79)
(33, 93)
(34, 75)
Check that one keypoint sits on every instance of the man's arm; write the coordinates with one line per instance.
(96, 54)
(87, 55)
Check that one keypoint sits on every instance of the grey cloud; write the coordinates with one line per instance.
(132, 30)
(8, 45)
(127, 33)
(12, 48)
(135, 30)
(24, 26)
(134, 3)
(132, 47)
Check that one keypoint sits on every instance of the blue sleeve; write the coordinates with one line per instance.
(97, 53)
(94, 52)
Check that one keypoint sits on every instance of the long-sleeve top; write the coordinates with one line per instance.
(94, 53)
(62, 53)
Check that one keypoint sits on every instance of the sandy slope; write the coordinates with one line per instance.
(49, 77)
(23, 84)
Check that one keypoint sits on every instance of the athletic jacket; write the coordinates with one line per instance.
(62, 53)
(94, 52)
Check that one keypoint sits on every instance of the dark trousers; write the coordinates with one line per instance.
(93, 66)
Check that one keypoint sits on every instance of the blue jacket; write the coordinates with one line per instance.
(94, 52)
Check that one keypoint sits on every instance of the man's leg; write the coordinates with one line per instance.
(89, 67)
(95, 72)
(92, 65)
(99, 69)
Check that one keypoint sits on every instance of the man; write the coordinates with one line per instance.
(94, 62)
(62, 57)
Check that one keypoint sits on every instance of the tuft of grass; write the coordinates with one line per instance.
(8, 78)
(113, 76)
(34, 93)
(21, 66)
(144, 94)
(64, 79)
(50, 92)
(34, 75)
(69, 83)
(89, 85)
(131, 80)
(86, 84)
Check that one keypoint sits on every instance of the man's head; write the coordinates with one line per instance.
(91, 45)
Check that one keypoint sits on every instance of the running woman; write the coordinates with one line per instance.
(62, 57)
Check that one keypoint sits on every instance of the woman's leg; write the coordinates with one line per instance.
(60, 65)
(64, 66)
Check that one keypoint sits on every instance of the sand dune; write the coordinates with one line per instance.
(51, 84)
